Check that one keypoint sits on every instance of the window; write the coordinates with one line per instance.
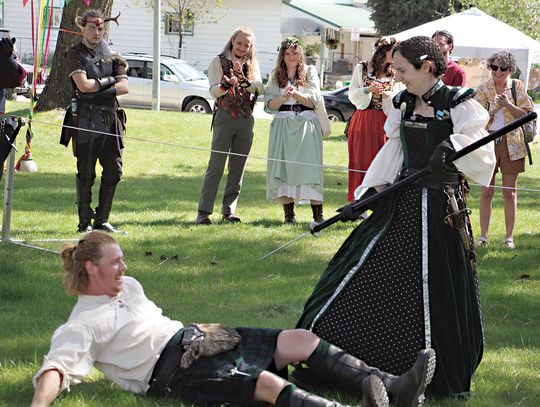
(165, 74)
(162, 72)
(172, 26)
(56, 16)
(135, 68)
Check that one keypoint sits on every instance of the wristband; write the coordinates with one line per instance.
(366, 90)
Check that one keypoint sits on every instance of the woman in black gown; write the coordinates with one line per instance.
(405, 278)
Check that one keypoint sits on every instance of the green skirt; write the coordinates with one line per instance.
(229, 378)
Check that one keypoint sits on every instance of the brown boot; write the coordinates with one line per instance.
(317, 213)
(288, 209)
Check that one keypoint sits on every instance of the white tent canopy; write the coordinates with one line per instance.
(478, 35)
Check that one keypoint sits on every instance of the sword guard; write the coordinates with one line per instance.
(315, 234)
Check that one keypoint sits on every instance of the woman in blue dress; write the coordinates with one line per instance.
(294, 173)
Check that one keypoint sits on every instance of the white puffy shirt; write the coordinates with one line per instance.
(122, 336)
(469, 119)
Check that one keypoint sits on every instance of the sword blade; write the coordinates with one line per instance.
(284, 245)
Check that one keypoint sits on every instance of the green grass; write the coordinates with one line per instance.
(217, 276)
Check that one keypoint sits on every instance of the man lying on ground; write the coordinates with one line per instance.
(115, 328)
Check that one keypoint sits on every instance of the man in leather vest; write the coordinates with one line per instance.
(234, 77)
(98, 75)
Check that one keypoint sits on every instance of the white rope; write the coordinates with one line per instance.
(332, 167)
(335, 167)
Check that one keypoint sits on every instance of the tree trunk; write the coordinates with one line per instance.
(180, 41)
(57, 91)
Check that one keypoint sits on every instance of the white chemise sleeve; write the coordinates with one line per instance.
(73, 352)
(470, 119)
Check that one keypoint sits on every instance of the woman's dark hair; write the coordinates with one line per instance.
(505, 59)
(420, 49)
(280, 72)
(382, 46)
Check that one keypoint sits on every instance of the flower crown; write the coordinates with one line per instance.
(290, 41)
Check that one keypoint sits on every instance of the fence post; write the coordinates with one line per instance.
(8, 197)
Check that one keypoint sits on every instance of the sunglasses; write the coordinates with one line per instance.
(495, 68)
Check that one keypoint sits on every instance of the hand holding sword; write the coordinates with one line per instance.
(358, 207)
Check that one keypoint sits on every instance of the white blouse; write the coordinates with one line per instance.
(361, 100)
(469, 119)
(121, 336)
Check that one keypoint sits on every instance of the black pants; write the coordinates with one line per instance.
(106, 150)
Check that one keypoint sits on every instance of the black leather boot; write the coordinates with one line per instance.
(84, 197)
(317, 213)
(406, 390)
(288, 209)
(101, 219)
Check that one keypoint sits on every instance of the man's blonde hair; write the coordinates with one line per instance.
(74, 258)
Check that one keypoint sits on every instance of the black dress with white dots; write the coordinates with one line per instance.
(368, 318)
(402, 281)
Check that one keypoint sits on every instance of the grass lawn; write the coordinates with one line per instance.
(217, 275)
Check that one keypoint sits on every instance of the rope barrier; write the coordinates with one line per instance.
(164, 143)
(168, 144)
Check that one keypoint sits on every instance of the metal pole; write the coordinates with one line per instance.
(156, 57)
(8, 196)
(322, 55)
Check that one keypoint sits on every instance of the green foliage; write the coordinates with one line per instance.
(313, 49)
(217, 275)
(391, 17)
(523, 15)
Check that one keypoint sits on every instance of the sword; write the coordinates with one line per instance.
(363, 205)
(316, 228)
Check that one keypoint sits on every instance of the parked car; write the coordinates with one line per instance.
(182, 87)
(338, 105)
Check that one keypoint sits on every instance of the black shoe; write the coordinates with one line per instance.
(408, 389)
(84, 229)
(107, 227)
(203, 219)
(231, 218)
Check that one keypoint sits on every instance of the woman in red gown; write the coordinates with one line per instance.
(371, 91)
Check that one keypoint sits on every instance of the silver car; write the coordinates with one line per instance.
(182, 87)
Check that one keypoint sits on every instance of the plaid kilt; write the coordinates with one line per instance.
(229, 377)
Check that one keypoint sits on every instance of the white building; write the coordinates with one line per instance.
(311, 20)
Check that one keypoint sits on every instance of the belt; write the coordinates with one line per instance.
(431, 180)
(168, 362)
(297, 107)
(93, 106)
